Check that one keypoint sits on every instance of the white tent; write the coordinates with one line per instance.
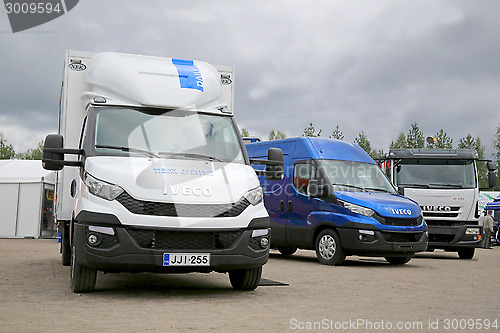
(25, 190)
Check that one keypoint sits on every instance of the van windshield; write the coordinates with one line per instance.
(355, 176)
(166, 134)
(435, 173)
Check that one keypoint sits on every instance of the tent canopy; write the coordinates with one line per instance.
(24, 171)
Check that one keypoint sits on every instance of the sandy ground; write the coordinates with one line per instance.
(431, 293)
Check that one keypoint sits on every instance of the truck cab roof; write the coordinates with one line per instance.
(433, 153)
(313, 147)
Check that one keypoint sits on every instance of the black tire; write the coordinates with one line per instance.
(245, 279)
(65, 247)
(467, 253)
(287, 250)
(82, 278)
(398, 260)
(328, 248)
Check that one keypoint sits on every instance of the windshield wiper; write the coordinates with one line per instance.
(414, 185)
(448, 185)
(378, 189)
(128, 149)
(191, 155)
(352, 186)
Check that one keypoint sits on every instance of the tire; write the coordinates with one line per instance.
(398, 260)
(65, 247)
(245, 279)
(82, 278)
(287, 250)
(328, 248)
(466, 253)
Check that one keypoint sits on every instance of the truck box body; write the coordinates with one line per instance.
(160, 180)
(359, 203)
(445, 184)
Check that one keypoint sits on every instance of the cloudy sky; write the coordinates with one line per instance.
(366, 65)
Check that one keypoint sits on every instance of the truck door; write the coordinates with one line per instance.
(299, 205)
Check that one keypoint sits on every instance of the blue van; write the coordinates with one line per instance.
(334, 199)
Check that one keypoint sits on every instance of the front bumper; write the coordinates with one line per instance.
(450, 237)
(141, 249)
(382, 243)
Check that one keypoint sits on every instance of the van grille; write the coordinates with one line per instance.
(402, 222)
(182, 210)
(184, 240)
(401, 237)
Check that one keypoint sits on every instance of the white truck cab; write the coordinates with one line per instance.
(158, 178)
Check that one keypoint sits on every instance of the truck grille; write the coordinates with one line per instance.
(401, 237)
(399, 221)
(184, 240)
(182, 210)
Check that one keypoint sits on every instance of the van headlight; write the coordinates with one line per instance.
(254, 196)
(102, 189)
(356, 209)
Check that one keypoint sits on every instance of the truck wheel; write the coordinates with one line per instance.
(82, 278)
(398, 260)
(245, 279)
(65, 247)
(466, 253)
(328, 248)
(287, 250)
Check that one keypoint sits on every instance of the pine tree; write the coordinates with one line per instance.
(337, 134)
(311, 131)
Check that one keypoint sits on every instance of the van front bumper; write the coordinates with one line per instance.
(375, 243)
(125, 249)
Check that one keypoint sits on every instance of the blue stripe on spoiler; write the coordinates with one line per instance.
(189, 75)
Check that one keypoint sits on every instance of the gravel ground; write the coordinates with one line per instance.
(431, 293)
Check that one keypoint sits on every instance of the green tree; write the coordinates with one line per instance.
(337, 134)
(443, 141)
(276, 135)
(400, 142)
(496, 155)
(6, 150)
(470, 143)
(415, 137)
(33, 153)
(363, 142)
(311, 131)
(245, 133)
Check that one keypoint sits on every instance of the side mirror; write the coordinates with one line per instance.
(492, 178)
(491, 166)
(314, 189)
(53, 157)
(274, 170)
(401, 190)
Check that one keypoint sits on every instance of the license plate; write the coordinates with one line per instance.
(186, 259)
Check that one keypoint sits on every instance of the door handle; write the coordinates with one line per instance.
(282, 206)
(289, 205)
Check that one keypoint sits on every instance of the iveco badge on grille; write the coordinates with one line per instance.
(187, 191)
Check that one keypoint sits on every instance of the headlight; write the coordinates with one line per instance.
(357, 209)
(102, 189)
(254, 196)
(472, 231)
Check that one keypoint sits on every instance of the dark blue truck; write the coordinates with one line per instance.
(334, 199)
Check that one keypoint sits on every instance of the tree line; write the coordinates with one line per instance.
(7, 151)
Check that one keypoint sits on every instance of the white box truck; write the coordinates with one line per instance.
(153, 174)
(445, 184)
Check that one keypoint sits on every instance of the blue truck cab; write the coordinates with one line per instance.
(334, 199)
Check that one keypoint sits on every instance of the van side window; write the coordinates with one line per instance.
(303, 171)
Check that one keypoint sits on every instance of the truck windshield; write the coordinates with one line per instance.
(166, 134)
(355, 176)
(435, 173)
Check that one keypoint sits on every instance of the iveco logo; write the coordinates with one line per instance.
(401, 211)
(188, 191)
(436, 208)
(77, 66)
